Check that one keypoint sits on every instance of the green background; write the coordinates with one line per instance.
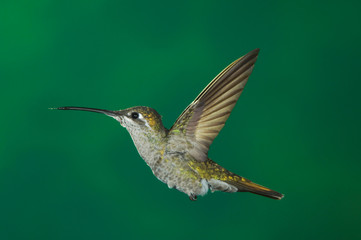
(77, 175)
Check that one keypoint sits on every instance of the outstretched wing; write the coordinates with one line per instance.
(204, 118)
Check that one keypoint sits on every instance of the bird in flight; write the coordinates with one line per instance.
(179, 156)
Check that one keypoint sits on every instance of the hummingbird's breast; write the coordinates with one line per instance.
(169, 160)
(149, 147)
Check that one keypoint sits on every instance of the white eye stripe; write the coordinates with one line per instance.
(140, 116)
(129, 118)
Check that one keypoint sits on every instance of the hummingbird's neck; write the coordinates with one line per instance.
(150, 144)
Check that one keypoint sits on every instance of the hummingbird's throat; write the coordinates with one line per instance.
(120, 120)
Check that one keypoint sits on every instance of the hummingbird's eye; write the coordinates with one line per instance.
(135, 115)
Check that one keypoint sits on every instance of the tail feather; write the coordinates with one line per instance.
(245, 185)
(220, 179)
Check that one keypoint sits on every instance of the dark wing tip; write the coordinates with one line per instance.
(254, 52)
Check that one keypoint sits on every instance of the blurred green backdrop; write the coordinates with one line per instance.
(77, 175)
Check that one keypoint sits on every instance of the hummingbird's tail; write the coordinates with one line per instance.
(220, 179)
(245, 185)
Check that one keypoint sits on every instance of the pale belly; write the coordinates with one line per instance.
(174, 171)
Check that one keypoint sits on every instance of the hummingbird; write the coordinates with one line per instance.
(179, 156)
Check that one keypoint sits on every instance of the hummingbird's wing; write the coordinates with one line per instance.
(204, 118)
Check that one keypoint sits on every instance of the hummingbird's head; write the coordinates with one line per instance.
(134, 119)
(140, 118)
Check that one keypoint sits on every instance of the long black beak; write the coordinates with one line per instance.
(106, 112)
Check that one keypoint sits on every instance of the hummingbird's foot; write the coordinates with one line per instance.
(193, 197)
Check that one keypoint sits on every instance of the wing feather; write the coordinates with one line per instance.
(204, 118)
